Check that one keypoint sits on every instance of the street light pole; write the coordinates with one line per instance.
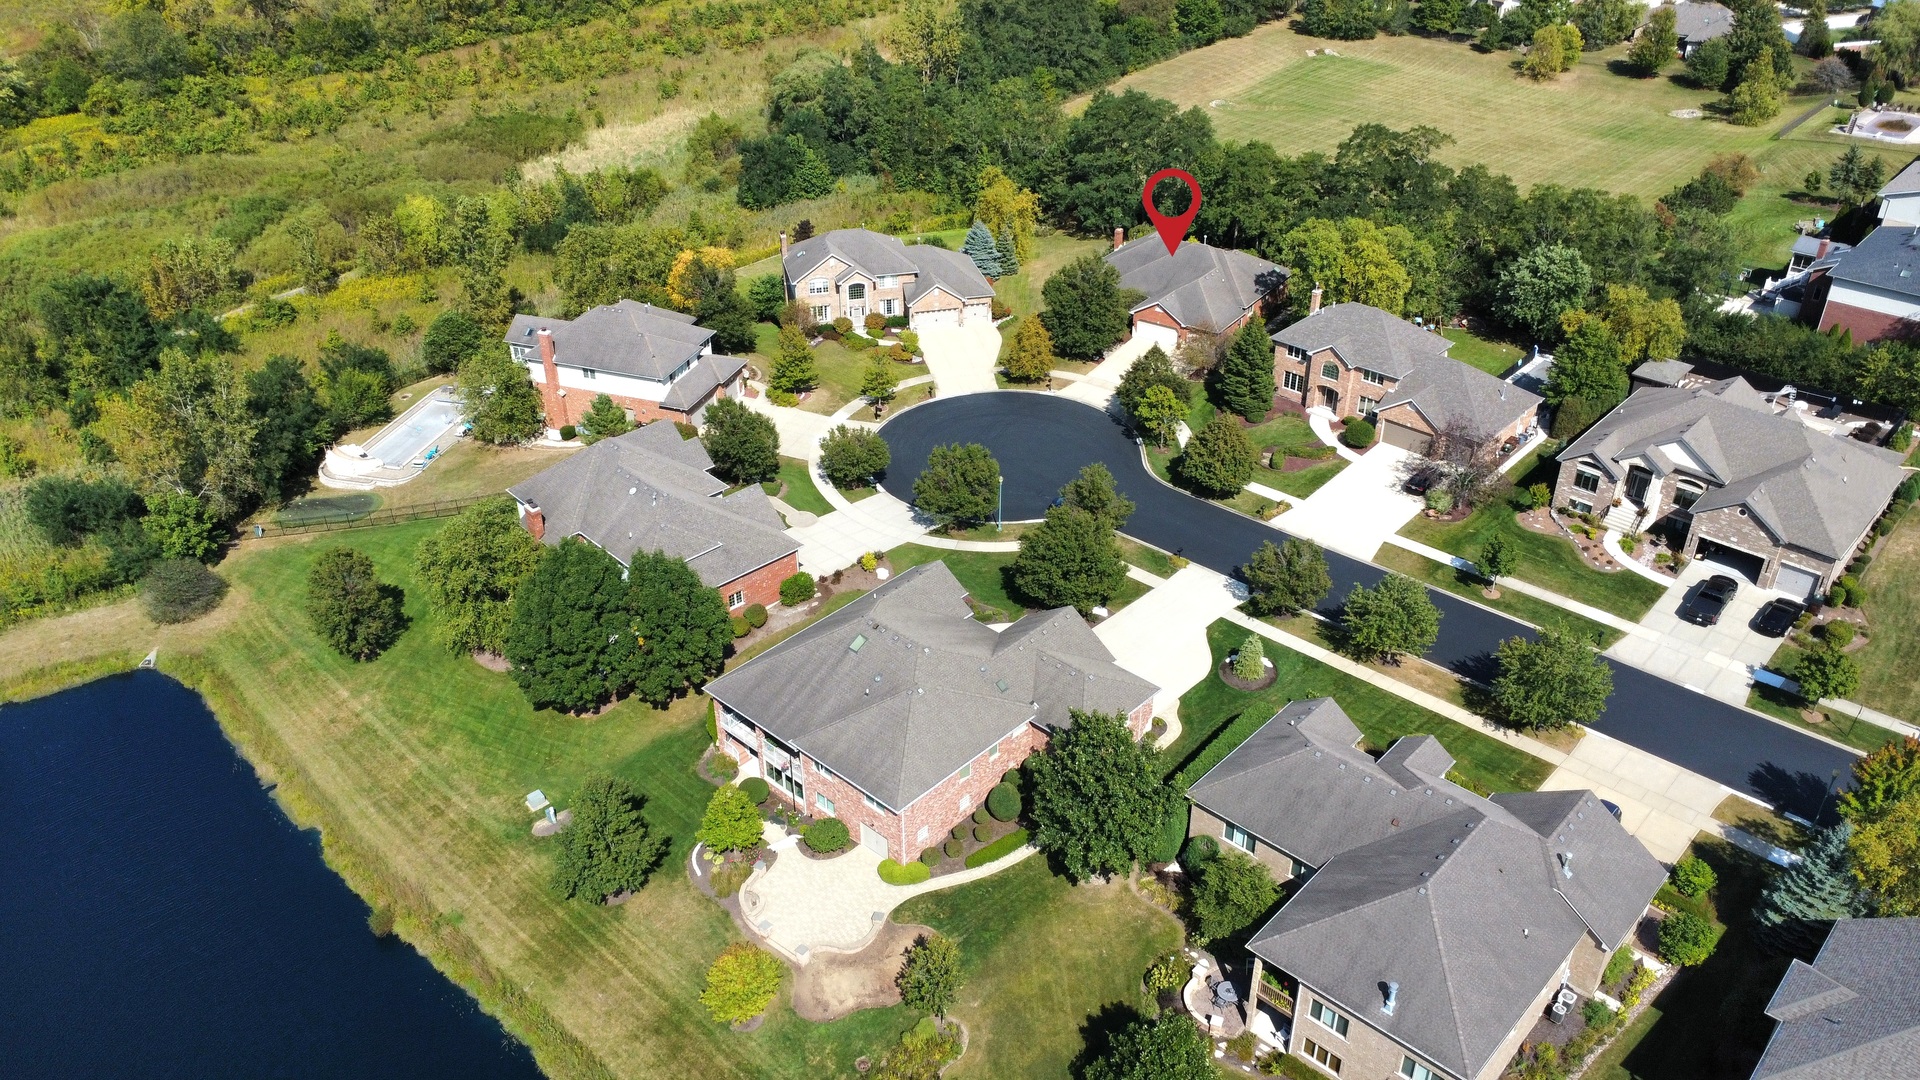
(1000, 505)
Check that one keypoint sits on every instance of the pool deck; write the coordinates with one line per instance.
(359, 468)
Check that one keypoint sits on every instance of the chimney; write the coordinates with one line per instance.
(1119, 237)
(551, 395)
(1313, 303)
(1392, 998)
(783, 245)
(535, 520)
(1821, 251)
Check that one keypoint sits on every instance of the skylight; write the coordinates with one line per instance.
(858, 641)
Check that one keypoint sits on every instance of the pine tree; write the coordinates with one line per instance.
(793, 367)
(1008, 251)
(1243, 381)
(1793, 909)
(1816, 38)
(1151, 370)
(604, 420)
(1656, 45)
(981, 247)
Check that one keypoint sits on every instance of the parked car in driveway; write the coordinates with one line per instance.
(1704, 608)
(1778, 617)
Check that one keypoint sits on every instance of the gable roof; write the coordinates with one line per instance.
(1465, 903)
(1889, 259)
(1201, 286)
(878, 255)
(899, 689)
(629, 337)
(949, 270)
(649, 490)
(1904, 182)
(1807, 488)
(1448, 393)
(1854, 1011)
(1363, 336)
(1695, 23)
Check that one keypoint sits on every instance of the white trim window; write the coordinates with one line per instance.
(823, 803)
(736, 598)
(819, 287)
(820, 313)
(1238, 837)
(887, 281)
(589, 373)
(1413, 1070)
(872, 803)
(1369, 406)
(1371, 376)
(857, 290)
(1330, 370)
(1324, 1015)
(889, 306)
(1293, 381)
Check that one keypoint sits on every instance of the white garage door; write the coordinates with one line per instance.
(1405, 437)
(873, 840)
(1150, 334)
(1795, 581)
(980, 311)
(937, 317)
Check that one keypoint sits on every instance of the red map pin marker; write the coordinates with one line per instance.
(1172, 228)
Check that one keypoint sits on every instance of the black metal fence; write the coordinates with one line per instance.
(338, 522)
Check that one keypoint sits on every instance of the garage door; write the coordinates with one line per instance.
(979, 311)
(1150, 334)
(1795, 581)
(937, 317)
(1747, 564)
(1404, 437)
(873, 840)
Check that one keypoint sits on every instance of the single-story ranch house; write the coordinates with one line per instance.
(1852, 1013)
(652, 361)
(1743, 476)
(899, 712)
(853, 273)
(650, 490)
(1196, 289)
(1355, 359)
(1696, 24)
(1433, 927)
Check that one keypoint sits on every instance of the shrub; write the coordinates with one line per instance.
(1539, 495)
(930, 857)
(731, 821)
(844, 325)
(1686, 939)
(875, 322)
(911, 874)
(959, 832)
(741, 984)
(1693, 877)
(1617, 966)
(1597, 1014)
(981, 817)
(1198, 851)
(1838, 633)
(756, 615)
(756, 789)
(1358, 434)
(724, 767)
(1439, 501)
(741, 627)
(1166, 973)
(177, 590)
(999, 849)
(982, 833)
(349, 608)
(827, 836)
(568, 432)
(1003, 802)
(380, 921)
(954, 848)
(869, 561)
(797, 589)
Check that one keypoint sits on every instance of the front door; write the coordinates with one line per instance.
(1330, 398)
(1637, 481)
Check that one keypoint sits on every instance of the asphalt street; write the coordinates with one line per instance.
(1042, 441)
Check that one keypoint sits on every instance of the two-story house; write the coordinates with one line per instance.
(1872, 291)
(1742, 475)
(653, 362)
(651, 490)
(898, 713)
(1356, 360)
(1431, 928)
(1197, 288)
(853, 273)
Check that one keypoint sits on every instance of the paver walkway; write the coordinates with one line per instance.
(962, 359)
(802, 906)
(1162, 637)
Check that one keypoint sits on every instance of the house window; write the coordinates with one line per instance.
(1328, 1019)
(1368, 405)
(1294, 381)
(1373, 377)
(1586, 481)
(1580, 507)
(994, 754)
(818, 287)
(819, 313)
(736, 598)
(1329, 370)
(872, 803)
(857, 291)
(1301, 869)
(1413, 1070)
(1321, 1056)
(825, 804)
(1686, 493)
(966, 770)
(589, 373)
(921, 836)
(889, 306)
(966, 803)
(887, 282)
(1238, 837)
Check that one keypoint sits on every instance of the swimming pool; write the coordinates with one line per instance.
(415, 432)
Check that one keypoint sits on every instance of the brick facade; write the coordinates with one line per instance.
(1201, 822)
(1866, 325)
(572, 403)
(762, 586)
(1157, 316)
(1347, 391)
(836, 301)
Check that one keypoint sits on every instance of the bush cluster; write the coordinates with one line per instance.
(797, 589)
(999, 849)
(912, 873)
(756, 789)
(756, 615)
(1003, 802)
(827, 836)
(177, 590)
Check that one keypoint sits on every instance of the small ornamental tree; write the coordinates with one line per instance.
(1886, 858)
(930, 979)
(1159, 415)
(1249, 663)
(793, 367)
(604, 420)
(852, 457)
(1098, 796)
(1881, 779)
(1243, 380)
(1069, 560)
(1497, 560)
(469, 570)
(349, 607)
(744, 445)
(1031, 358)
(961, 484)
(1286, 579)
(1826, 672)
(1086, 307)
(1796, 904)
(1093, 491)
(499, 399)
(1154, 368)
(1656, 46)
(1394, 617)
(609, 848)
(1686, 939)
(732, 821)
(1230, 891)
(1553, 682)
(981, 247)
(741, 984)
(1218, 460)
(881, 382)
(1168, 1047)
(1693, 877)
(680, 628)
(180, 526)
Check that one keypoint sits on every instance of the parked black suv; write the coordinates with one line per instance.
(1778, 617)
(1706, 605)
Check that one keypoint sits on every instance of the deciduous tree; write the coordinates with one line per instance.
(1825, 672)
(1218, 460)
(1153, 368)
(1087, 310)
(1497, 560)
(1395, 616)
(571, 637)
(1093, 490)
(1168, 1047)
(451, 338)
(961, 484)
(1231, 890)
(852, 457)
(609, 848)
(1757, 97)
(1286, 579)
(793, 367)
(741, 983)
(744, 445)
(1159, 415)
(348, 606)
(1069, 559)
(930, 979)
(1031, 358)
(469, 571)
(1098, 798)
(1880, 779)
(1553, 682)
(1006, 207)
(1656, 46)
(186, 428)
(680, 628)
(881, 381)
(500, 400)
(732, 822)
(180, 526)
(1539, 287)
(1886, 858)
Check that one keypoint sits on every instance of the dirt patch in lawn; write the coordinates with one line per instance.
(831, 985)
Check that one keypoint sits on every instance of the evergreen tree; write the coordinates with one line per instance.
(793, 367)
(732, 822)
(1757, 98)
(1031, 358)
(469, 571)
(1286, 579)
(1856, 176)
(1552, 682)
(1243, 381)
(1008, 252)
(961, 484)
(1439, 16)
(609, 848)
(1757, 37)
(1816, 38)
(604, 420)
(1086, 307)
(1218, 460)
(1657, 45)
(744, 445)
(1797, 903)
(981, 247)
(571, 637)
(1707, 64)
(1249, 661)
(811, 177)
(1154, 368)
(680, 627)
(1069, 559)
(349, 607)
(1395, 616)
(1093, 490)
(1098, 796)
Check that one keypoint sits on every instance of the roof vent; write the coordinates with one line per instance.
(1566, 864)
(633, 491)
(1002, 684)
(1392, 998)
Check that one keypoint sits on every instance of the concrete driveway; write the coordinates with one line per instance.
(1162, 637)
(962, 359)
(1358, 509)
(1716, 660)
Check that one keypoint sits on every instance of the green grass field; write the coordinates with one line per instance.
(797, 489)
(1891, 656)
(981, 573)
(1517, 604)
(1492, 357)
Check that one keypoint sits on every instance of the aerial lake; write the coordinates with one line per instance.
(161, 917)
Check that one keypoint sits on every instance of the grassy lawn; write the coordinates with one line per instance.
(1709, 1023)
(1039, 957)
(797, 489)
(1517, 604)
(982, 573)
(1051, 251)
(1761, 822)
(1482, 763)
(1492, 357)
(1839, 727)
(1890, 658)
(413, 766)
(1148, 558)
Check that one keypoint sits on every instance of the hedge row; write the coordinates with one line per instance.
(1238, 731)
(912, 873)
(999, 849)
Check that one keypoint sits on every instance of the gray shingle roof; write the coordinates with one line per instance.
(649, 490)
(1460, 900)
(1664, 372)
(1854, 1012)
(1448, 393)
(928, 688)
(950, 270)
(1201, 286)
(879, 255)
(1889, 258)
(1695, 23)
(1809, 489)
(1365, 336)
(1904, 182)
(629, 337)
(708, 372)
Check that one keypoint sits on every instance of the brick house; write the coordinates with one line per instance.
(1196, 289)
(1357, 360)
(652, 361)
(1748, 479)
(1430, 928)
(1870, 291)
(853, 273)
(899, 712)
(650, 490)
(1852, 1012)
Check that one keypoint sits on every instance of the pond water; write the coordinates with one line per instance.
(160, 916)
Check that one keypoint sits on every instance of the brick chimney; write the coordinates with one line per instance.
(1821, 252)
(1119, 237)
(535, 520)
(783, 245)
(552, 397)
(1313, 302)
